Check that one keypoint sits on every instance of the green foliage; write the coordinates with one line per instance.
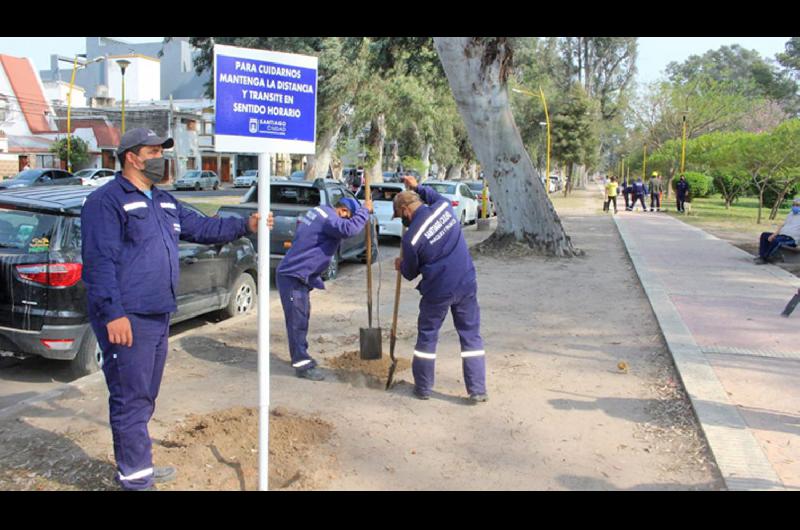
(79, 151)
(699, 185)
(572, 132)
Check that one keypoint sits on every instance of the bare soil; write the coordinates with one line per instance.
(561, 414)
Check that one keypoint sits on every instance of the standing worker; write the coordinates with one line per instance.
(656, 187)
(435, 247)
(681, 190)
(626, 191)
(319, 233)
(130, 231)
(639, 191)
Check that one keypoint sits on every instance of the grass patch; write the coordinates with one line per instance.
(210, 205)
(710, 214)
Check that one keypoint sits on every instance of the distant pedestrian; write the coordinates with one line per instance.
(626, 192)
(656, 187)
(27, 166)
(681, 191)
(787, 235)
(638, 192)
(611, 194)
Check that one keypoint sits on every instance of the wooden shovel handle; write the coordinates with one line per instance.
(393, 336)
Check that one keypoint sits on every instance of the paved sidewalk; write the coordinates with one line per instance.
(738, 358)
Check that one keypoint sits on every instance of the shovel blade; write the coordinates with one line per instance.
(391, 374)
(791, 305)
(371, 344)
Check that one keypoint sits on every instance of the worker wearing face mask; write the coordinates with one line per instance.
(130, 231)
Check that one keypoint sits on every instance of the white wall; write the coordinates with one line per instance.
(59, 90)
(142, 79)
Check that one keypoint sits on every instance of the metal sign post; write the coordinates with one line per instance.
(265, 102)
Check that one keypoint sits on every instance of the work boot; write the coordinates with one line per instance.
(760, 261)
(313, 374)
(164, 474)
(478, 398)
(651, 209)
(419, 394)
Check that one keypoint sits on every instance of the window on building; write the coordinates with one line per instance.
(46, 161)
(3, 108)
(208, 128)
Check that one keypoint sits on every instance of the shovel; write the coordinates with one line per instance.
(792, 304)
(370, 338)
(393, 336)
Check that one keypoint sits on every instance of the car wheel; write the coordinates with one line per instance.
(463, 217)
(197, 186)
(216, 186)
(244, 297)
(333, 268)
(89, 357)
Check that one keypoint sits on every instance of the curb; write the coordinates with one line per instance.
(740, 459)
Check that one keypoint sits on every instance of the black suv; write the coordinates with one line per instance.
(289, 201)
(43, 300)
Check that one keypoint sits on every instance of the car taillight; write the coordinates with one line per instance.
(455, 203)
(57, 344)
(51, 274)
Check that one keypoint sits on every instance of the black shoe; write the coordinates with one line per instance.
(478, 398)
(313, 374)
(651, 209)
(164, 474)
(421, 395)
(760, 261)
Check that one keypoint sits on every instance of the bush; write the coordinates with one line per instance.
(699, 185)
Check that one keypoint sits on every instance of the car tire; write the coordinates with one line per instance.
(333, 268)
(88, 358)
(216, 186)
(244, 297)
(463, 217)
(197, 186)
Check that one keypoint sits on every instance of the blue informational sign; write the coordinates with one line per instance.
(265, 101)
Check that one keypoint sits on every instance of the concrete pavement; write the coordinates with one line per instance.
(738, 358)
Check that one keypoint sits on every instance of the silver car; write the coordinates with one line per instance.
(197, 180)
(246, 179)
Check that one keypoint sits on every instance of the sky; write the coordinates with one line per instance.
(654, 52)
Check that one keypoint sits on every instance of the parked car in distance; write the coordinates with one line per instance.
(40, 177)
(246, 179)
(461, 198)
(476, 186)
(297, 176)
(290, 200)
(43, 299)
(197, 180)
(95, 176)
(383, 206)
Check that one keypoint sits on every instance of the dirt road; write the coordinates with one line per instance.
(562, 414)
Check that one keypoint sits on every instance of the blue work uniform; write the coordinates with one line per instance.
(435, 248)
(681, 190)
(319, 233)
(639, 190)
(130, 269)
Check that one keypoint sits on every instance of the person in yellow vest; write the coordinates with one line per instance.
(611, 194)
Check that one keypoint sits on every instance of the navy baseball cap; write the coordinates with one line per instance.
(137, 137)
(350, 204)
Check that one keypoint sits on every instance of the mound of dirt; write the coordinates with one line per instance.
(219, 451)
(351, 362)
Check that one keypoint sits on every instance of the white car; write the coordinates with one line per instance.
(383, 205)
(461, 198)
(94, 176)
(247, 179)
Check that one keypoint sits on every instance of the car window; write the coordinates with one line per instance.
(29, 231)
(62, 174)
(191, 174)
(106, 173)
(74, 235)
(294, 195)
(29, 175)
(47, 176)
(84, 173)
(335, 194)
(443, 188)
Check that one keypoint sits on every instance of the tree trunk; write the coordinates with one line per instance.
(377, 137)
(441, 174)
(320, 162)
(454, 171)
(477, 70)
(760, 204)
(395, 160)
(425, 156)
(472, 171)
(782, 195)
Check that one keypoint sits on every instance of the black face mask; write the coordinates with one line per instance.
(154, 169)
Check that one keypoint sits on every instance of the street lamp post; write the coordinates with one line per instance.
(683, 143)
(540, 95)
(123, 64)
(75, 65)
